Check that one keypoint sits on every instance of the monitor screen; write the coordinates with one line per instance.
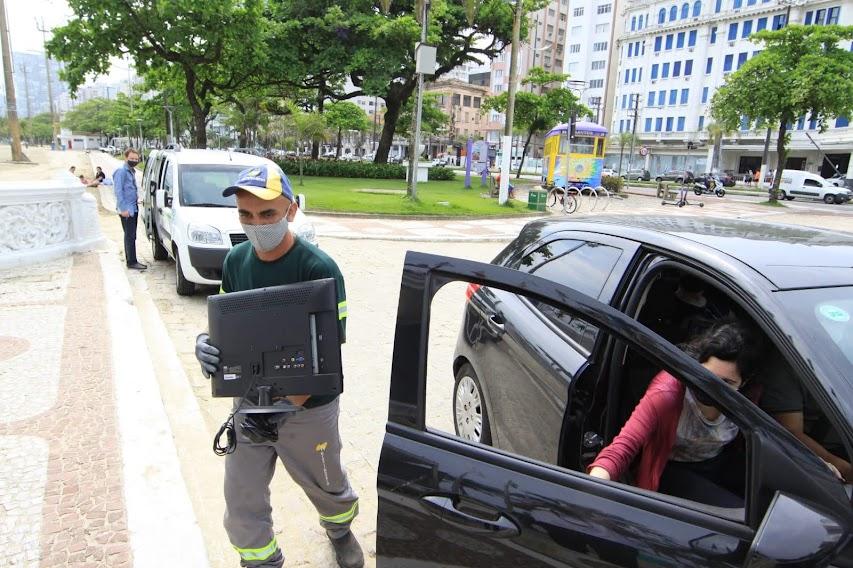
(284, 337)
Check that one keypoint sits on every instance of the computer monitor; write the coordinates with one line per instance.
(280, 341)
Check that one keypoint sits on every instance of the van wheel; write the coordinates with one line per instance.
(829, 199)
(158, 251)
(183, 286)
(839, 200)
(471, 421)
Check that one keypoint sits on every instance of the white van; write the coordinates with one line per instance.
(797, 183)
(187, 219)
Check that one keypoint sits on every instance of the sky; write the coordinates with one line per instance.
(23, 30)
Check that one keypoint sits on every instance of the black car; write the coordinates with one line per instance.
(637, 174)
(551, 358)
(678, 176)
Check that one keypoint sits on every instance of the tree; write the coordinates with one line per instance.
(38, 128)
(94, 115)
(433, 119)
(715, 133)
(801, 71)
(310, 127)
(623, 140)
(321, 43)
(212, 45)
(345, 115)
(537, 113)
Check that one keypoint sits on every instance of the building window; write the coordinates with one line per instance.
(658, 42)
(709, 65)
(685, 10)
(602, 28)
(466, 101)
(733, 31)
(604, 9)
(651, 100)
(673, 97)
(701, 123)
(624, 101)
(718, 6)
(669, 124)
(665, 71)
(673, 13)
(477, 101)
(727, 63)
(596, 83)
(627, 75)
(741, 59)
(680, 126)
(808, 19)
(841, 122)
(634, 75)
(697, 8)
(575, 48)
(658, 124)
(779, 22)
(662, 16)
(688, 68)
(550, 30)
(599, 46)
(633, 23)
(747, 29)
(630, 50)
(761, 24)
(751, 2)
(596, 65)
(679, 40)
(648, 127)
(661, 98)
(685, 94)
(812, 124)
(832, 16)
(456, 99)
(737, 4)
(691, 38)
(713, 35)
(578, 12)
(655, 68)
(676, 69)
(704, 95)
(669, 41)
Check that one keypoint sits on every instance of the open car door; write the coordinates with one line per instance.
(444, 501)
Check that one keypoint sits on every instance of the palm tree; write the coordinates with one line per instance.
(715, 134)
(310, 127)
(623, 139)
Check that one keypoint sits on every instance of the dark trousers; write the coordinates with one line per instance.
(128, 224)
(718, 481)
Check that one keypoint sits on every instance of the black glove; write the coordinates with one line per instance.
(207, 355)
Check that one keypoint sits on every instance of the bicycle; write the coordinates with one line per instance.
(567, 198)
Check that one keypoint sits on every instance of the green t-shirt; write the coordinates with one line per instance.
(243, 270)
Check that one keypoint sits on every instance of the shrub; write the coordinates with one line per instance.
(613, 184)
(345, 169)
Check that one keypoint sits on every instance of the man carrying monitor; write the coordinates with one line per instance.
(307, 441)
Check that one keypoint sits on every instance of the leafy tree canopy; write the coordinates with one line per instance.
(433, 119)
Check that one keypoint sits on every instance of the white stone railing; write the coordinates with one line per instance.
(45, 219)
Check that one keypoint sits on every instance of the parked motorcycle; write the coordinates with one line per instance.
(708, 185)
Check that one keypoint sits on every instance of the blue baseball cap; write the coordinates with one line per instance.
(266, 181)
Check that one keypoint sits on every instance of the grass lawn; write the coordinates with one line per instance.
(388, 196)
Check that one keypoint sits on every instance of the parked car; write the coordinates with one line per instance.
(257, 151)
(727, 178)
(608, 172)
(637, 174)
(546, 365)
(109, 149)
(678, 176)
(187, 219)
(841, 180)
(798, 183)
(439, 162)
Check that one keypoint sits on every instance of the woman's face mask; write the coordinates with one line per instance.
(266, 237)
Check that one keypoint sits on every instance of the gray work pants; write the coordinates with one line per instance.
(309, 446)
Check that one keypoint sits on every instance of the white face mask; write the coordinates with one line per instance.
(266, 237)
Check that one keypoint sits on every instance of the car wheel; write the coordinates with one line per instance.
(471, 421)
(639, 179)
(829, 199)
(658, 178)
(183, 286)
(839, 200)
(679, 180)
(158, 251)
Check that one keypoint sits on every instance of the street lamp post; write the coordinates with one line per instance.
(413, 161)
(139, 122)
(506, 143)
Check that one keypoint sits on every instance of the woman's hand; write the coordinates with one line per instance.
(600, 473)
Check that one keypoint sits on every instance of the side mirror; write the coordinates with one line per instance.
(796, 535)
(159, 199)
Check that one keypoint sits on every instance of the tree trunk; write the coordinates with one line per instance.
(338, 148)
(301, 160)
(715, 160)
(199, 121)
(394, 101)
(315, 145)
(524, 154)
(782, 156)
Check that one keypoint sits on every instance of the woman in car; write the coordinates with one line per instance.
(678, 432)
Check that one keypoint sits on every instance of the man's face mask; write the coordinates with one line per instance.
(266, 237)
(132, 163)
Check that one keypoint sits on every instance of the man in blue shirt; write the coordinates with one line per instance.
(124, 185)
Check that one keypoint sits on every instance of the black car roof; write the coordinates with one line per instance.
(788, 256)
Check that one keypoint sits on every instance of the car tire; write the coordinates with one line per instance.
(658, 178)
(158, 251)
(829, 198)
(839, 200)
(679, 180)
(639, 179)
(182, 286)
(470, 418)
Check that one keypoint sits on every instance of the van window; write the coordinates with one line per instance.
(167, 179)
(812, 183)
(202, 184)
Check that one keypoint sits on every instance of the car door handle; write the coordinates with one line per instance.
(496, 322)
(444, 507)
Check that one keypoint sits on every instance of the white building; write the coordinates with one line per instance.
(674, 54)
(588, 49)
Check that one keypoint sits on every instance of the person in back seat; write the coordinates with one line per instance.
(679, 433)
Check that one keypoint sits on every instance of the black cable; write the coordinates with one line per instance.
(228, 428)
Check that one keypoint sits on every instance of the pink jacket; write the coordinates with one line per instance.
(650, 430)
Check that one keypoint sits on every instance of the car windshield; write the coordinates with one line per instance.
(202, 185)
(826, 316)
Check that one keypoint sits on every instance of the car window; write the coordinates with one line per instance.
(811, 183)
(202, 185)
(584, 266)
(167, 179)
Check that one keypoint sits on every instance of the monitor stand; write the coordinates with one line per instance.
(265, 405)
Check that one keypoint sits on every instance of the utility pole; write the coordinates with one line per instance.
(24, 70)
(413, 158)
(506, 144)
(636, 98)
(53, 117)
(11, 104)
